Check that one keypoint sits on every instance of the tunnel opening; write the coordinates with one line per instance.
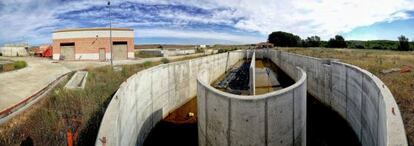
(325, 127)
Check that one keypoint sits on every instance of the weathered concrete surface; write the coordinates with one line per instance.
(274, 118)
(20, 84)
(78, 80)
(252, 75)
(356, 94)
(148, 96)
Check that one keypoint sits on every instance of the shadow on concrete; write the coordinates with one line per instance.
(147, 129)
(326, 127)
(177, 128)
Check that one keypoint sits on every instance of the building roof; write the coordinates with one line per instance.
(94, 29)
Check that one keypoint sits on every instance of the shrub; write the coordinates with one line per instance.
(221, 51)
(165, 60)
(147, 64)
(20, 64)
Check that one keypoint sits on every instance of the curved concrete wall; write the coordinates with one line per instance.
(356, 94)
(148, 96)
(275, 118)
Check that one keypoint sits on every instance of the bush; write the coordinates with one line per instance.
(337, 42)
(165, 60)
(200, 50)
(284, 39)
(221, 51)
(147, 64)
(19, 64)
(404, 44)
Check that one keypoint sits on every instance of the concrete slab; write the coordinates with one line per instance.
(20, 84)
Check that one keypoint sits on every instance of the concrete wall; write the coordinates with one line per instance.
(149, 95)
(356, 94)
(177, 52)
(13, 51)
(166, 53)
(275, 118)
(252, 75)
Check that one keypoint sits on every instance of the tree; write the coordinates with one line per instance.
(313, 41)
(404, 43)
(337, 42)
(284, 39)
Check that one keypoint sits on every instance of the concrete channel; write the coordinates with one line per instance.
(279, 117)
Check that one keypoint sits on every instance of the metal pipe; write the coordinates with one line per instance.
(110, 33)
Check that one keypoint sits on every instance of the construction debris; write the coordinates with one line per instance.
(403, 69)
(386, 71)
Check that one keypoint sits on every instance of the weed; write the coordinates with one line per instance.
(165, 60)
(20, 64)
(147, 64)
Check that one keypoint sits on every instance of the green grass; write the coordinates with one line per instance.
(19, 64)
(140, 54)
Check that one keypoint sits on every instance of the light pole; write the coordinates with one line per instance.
(110, 33)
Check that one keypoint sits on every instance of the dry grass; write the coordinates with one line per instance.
(400, 84)
(47, 121)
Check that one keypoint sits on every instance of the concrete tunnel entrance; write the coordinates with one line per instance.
(324, 126)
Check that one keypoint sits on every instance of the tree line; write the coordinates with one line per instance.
(285, 39)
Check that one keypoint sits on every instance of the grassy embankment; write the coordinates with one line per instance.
(400, 84)
(47, 121)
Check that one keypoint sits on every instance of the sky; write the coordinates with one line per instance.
(209, 21)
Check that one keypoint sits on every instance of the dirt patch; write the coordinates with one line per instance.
(182, 115)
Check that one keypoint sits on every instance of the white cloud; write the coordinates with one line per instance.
(25, 19)
(308, 17)
(188, 34)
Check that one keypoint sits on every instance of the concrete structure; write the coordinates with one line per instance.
(16, 86)
(252, 75)
(356, 94)
(274, 118)
(93, 44)
(166, 53)
(78, 80)
(148, 96)
(14, 50)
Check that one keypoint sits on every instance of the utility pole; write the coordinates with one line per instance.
(110, 33)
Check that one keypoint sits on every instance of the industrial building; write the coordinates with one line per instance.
(93, 44)
(14, 50)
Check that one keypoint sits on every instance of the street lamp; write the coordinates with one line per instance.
(110, 33)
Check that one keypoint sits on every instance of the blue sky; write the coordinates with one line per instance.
(209, 21)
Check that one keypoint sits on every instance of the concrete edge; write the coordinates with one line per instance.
(298, 82)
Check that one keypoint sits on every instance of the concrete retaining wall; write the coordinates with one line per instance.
(148, 96)
(356, 94)
(275, 118)
(252, 75)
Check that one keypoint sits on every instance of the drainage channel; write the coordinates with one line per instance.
(324, 126)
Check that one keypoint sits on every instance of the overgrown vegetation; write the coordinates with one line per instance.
(285, 39)
(140, 54)
(11, 65)
(400, 84)
(337, 42)
(19, 64)
(165, 60)
(223, 50)
(47, 121)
